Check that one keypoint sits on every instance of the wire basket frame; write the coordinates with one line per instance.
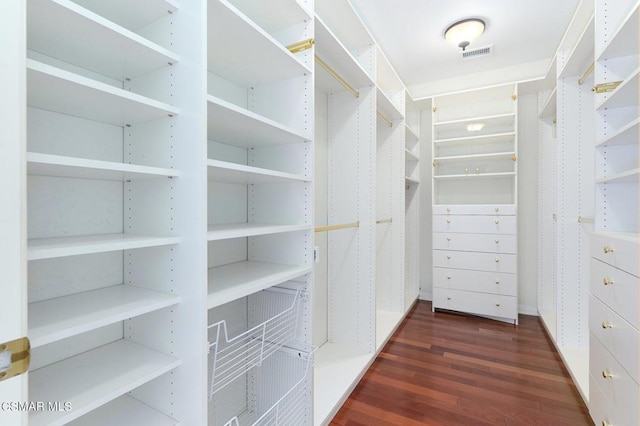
(230, 358)
(292, 409)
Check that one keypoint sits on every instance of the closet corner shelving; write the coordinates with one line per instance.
(615, 241)
(474, 191)
(412, 201)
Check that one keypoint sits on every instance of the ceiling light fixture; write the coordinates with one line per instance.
(462, 33)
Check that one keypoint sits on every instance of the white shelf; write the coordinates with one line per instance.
(124, 411)
(94, 378)
(386, 323)
(410, 156)
(410, 134)
(238, 230)
(236, 280)
(495, 137)
(490, 119)
(628, 176)
(332, 52)
(222, 171)
(345, 23)
(581, 57)
(47, 248)
(624, 41)
(62, 317)
(625, 95)
(627, 135)
(72, 167)
(337, 371)
(550, 106)
(111, 50)
(131, 15)
(237, 126)
(234, 39)
(411, 180)
(54, 89)
(492, 156)
(475, 176)
(274, 15)
(386, 107)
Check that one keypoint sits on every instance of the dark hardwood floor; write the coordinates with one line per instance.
(449, 369)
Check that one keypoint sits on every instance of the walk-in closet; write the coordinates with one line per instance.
(224, 212)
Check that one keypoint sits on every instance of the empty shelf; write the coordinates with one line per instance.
(488, 156)
(475, 175)
(73, 167)
(222, 171)
(410, 134)
(124, 411)
(239, 230)
(237, 126)
(411, 180)
(624, 40)
(131, 14)
(94, 378)
(625, 95)
(236, 280)
(386, 107)
(54, 89)
(62, 317)
(627, 135)
(550, 106)
(410, 156)
(495, 137)
(624, 177)
(47, 248)
(274, 15)
(582, 55)
(111, 50)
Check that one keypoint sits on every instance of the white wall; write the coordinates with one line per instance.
(527, 205)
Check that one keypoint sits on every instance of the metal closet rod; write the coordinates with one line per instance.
(384, 220)
(336, 227)
(337, 76)
(586, 73)
(582, 219)
(385, 119)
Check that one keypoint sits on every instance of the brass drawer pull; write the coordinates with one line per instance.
(448, 297)
(448, 238)
(607, 281)
(448, 220)
(605, 325)
(448, 277)
(608, 249)
(497, 222)
(606, 374)
(497, 209)
(498, 304)
(448, 257)
(497, 260)
(497, 281)
(497, 241)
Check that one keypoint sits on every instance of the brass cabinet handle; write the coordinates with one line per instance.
(608, 249)
(497, 222)
(497, 303)
(605, 325)
(448, 238)
(607, 281)
(497, 281)
(448, 209)
(497, 209)
(448, 277)
(606, 423)
(448, 297)
(606, 374)
(448, 257)
(497, 241)
(448, 220)
(497, 260)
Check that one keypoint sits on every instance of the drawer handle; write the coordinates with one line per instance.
(448, 220)
(608, 249)
(605, 325)
(606, 423)
(497, 281)
(448, 210)
(497, 209)
(448, 257)
(497, 222)
(498, 304)
(448, 238)
(448, 297)
(606, 374)
(607, 281)
(448, 277)
(497, 260)
(497, 241)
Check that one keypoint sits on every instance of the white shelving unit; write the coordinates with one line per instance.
(613, 379)
(474, 191)
(260, 177)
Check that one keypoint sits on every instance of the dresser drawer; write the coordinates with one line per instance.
(602, 412)
(619, 252)
(616, 289)
(481, 282)
(476, 303)
(473, 209)
(475, 224)
(491, 243)
(616, 384)
(493, 262)
(618, 336)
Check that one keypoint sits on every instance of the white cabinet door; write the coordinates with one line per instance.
(12, 183)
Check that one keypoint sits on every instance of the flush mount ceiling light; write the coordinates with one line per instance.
(462, 33)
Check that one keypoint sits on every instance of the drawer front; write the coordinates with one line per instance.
(618, 387)
(617, 289)
(481, 282)
(602, 412)
(621, 253)
(617, 335)
(472, 209)
(476, 303)
(475, 224)
(492, 262)
(492, 243)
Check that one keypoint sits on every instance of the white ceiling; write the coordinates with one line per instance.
(525, 35)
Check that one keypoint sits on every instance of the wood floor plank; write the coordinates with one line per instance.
(448, 369)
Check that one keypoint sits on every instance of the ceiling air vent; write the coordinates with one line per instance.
(476, 53)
